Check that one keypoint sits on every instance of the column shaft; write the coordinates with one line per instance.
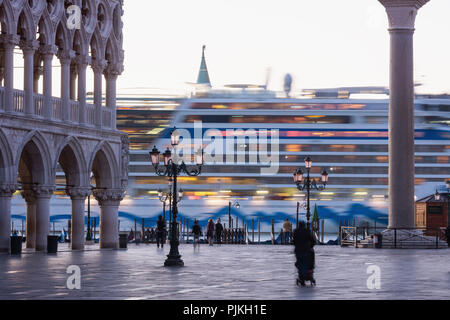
(8, 49)
(73, 79)
(77, 232)
(82, 91)
(47, 86)
(401, 130)
(98, 97)
(65, 87)
(42, 222)
(28, 80)
(111, 97)
(5, 222)
(109, 232)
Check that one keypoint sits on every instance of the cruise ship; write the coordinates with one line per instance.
(343, 130)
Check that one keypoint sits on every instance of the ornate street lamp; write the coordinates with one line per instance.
(232, 204)
(308, 183)
(172, 170)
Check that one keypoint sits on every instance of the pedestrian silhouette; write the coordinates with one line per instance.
(304, 242)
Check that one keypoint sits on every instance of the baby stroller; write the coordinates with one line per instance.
(305, 265)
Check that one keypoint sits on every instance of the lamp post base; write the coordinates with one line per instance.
(173, 261)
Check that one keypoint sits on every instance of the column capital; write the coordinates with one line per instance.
(78, 193)
(65, 56)
(108, 196)
(29, 46)
(7, 189)
(48, 51)
(402, 13)
(82, 60)
(112, 71)
(43, 191)
(98, 65)
(9, 41)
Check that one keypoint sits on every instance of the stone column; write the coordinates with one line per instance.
(109, 201)
(6, 191)
(42, 194)
(28, 48)
(8, 44)
(111, 77)
(47, 53)
(98, 66)
(82, 63)
(37, 73)
(401, 14)
(65, 57)
(78, 197)
(73, 79)
(28, 195)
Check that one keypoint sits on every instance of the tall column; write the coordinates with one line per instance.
(28, 48)
(47, 53)
(98, 66)
(109, 201)
(401, 14)
(42, 194)
(82, 63)
(38, 71)
(78, 197)
(28, 195)
(73, 79)
(111, 77)
(6, 191)
(8, 44)
(65, 58)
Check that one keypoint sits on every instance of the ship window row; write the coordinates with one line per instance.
(322, 159)
(267, 119)
(279, 106)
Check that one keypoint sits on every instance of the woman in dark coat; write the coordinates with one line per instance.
(197, 231)
(304, 242)
(210, 232)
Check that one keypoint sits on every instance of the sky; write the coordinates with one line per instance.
(321, 43)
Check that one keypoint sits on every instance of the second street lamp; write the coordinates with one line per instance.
(172, 169)
(308, 183)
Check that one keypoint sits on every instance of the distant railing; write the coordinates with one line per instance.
(90, 114)
(57, 108)
(74, 115)
(18, 98)
(38, 104)
(106, 117)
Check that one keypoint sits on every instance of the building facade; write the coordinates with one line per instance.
(42, 133)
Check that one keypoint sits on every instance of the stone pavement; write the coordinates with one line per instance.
(226, 272)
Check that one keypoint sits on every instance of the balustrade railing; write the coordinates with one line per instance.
(74, 111)
(57, 108)
(38, 104)
(18, 98)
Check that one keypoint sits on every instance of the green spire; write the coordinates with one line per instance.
(203, 76)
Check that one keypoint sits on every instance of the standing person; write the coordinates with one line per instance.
(219, 230)
(447, 234)
(160, 231)
(210, 231)
(287, 230)
(197, 231)
(304, 242)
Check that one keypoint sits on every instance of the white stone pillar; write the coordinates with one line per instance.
(6, 191)
(82, 63)
(37, 73)
(98, 66)
(47, 53)
(42, 195)
(109, 201)
(8, 44)
(65, 58)
(111, 78)
(78, 197)
(28, 49)
(401, 14)
(28, 195)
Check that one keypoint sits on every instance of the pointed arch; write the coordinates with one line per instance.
(63, 38)
(6, 160)
(7, 18)
(41, 167)
(80, 45)
(96, 46)
(45, 29)
(104, 166)
(112, 52)
(25, 25)
(70, 157)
